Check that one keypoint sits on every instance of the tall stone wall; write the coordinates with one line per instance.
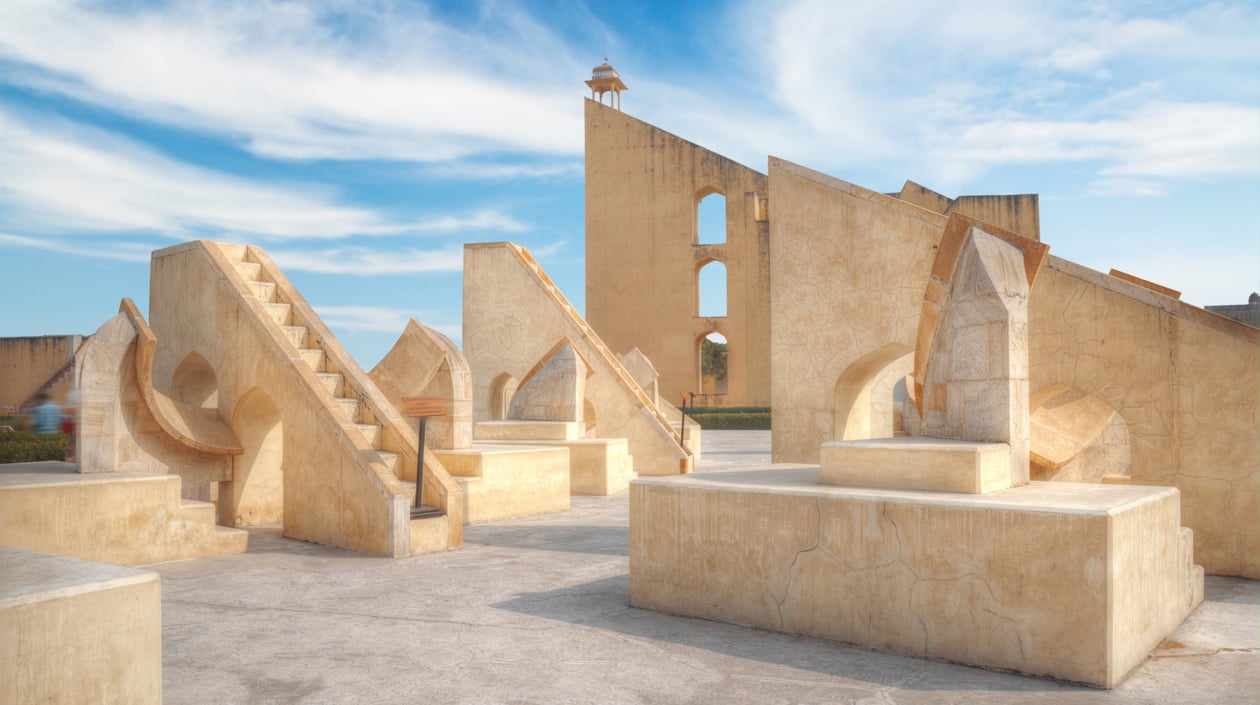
(642, 257)
(848, 271)
(1186, 382)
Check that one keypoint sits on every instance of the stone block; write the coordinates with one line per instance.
(502, 481)
(1077, 582)
(918, 463)
(72, 631)
(528, 431)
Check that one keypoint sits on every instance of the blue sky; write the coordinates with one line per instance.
(362, 143)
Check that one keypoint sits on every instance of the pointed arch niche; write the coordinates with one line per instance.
(255, 494)
(194, 383)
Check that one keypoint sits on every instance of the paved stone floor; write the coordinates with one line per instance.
(535, 610)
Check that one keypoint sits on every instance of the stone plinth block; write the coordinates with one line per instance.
(597, 466)
(502, 481)
(528, 431)
(72, 631)
(125, 518)
(1072, 581)
(931, 464)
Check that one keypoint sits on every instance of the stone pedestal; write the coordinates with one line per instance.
(502, 481)
(72, 631)
(1070, 581)
(919, 463)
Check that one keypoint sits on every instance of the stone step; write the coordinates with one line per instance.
(249, 271)
(314, 358)
(372, 432)
(280, 313)
(391, 460)
(296, 334)
(351, 407)
(332, 381)
(234, 252)
(265, 291)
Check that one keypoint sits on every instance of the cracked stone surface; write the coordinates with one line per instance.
(536, 611)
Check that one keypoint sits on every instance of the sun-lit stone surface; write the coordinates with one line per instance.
(1072, 581)
(72, 631)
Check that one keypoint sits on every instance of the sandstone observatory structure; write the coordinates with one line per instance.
(936, 546)
(825, 283)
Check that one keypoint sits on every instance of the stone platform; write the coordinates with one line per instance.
(124, 518)
(72, 631)
(503, 480)
(1077, 582)
(597, 466)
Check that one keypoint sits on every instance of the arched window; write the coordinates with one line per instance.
(711, 290)
(711, 220)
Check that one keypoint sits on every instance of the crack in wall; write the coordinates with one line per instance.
(791, 572)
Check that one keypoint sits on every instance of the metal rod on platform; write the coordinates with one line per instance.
(420, 463)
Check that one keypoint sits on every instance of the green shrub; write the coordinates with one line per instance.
(743, 418)
(29, 447)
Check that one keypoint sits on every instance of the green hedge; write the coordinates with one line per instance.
(28, 447)
(743, 418)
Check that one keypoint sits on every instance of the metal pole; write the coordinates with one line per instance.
(420, 463)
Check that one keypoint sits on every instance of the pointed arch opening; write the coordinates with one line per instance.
(711, 290)
(711, 218)
(713, 352)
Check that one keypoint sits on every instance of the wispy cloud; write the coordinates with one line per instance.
(370, 80)
(121, 251)
(381, 319)
(360, 261)
(949, 90)
(58, 176)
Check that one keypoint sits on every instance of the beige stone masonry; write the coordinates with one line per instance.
(513, 316)
(503, 481)
(928, 464)
(1076, 437)
(555, 390)
(78, 632)
(1187, 384)
(423, 362)
(1071, 581)
(597, 466)
(126, 424)
(124, 518)
(533, 431)
(326, 452)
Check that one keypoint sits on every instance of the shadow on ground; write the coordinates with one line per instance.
(605, 604)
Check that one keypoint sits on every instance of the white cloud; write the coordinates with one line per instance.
(380, 319)
(58, 176)
(122, 251)
(359, 261)
(949, 89)
(308, 80)
(1179, 140)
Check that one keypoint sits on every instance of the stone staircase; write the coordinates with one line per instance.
(314, 345)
